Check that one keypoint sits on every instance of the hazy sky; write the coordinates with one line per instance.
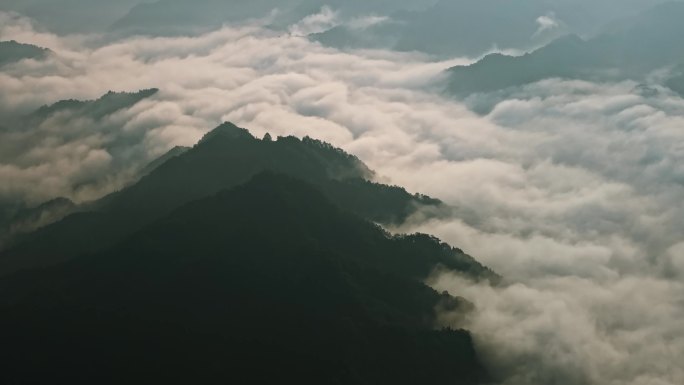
(571, 190)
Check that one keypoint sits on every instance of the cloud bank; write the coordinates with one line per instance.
(571, 190)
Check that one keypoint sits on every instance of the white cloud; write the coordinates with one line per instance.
(572, 190)
(575, 331)
(319, 22)
(365, 22)
(546, 23)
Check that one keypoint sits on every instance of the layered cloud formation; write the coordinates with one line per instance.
(571, 190)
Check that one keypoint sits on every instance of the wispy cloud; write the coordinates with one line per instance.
(324, 20)
(547, 23)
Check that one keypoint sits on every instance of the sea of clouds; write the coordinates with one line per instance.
(571, 190)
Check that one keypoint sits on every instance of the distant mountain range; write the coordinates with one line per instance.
(443, 28)
(94, 109)
(630, 49)
(67, 124)
(12, 51)
(239, 260)
(22, 220)
(473, 27)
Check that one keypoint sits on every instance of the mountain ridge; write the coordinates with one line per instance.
(630, 50)
(13, 51)
(202, 285)
(225, 158)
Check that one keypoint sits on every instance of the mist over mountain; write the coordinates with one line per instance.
(190, 271)
(12, 51)
(472, 28)
(72, 148)
(141, 235)
(20, 220)
(437, 27)
(445, 29)
(94, 109)
(631, 49)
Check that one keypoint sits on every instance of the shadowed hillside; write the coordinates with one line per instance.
(266, 282)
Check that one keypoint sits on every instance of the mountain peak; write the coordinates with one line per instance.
(225, 158)
(227, 130)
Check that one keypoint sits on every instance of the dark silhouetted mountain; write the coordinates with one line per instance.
(629, 50)
(16, 219)
(99, 108)
(8, 210)
(29, 219)
(12, 51)
(172, 153)
(226, 157)
(448, 28)
(267, 282)
(439, 27)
